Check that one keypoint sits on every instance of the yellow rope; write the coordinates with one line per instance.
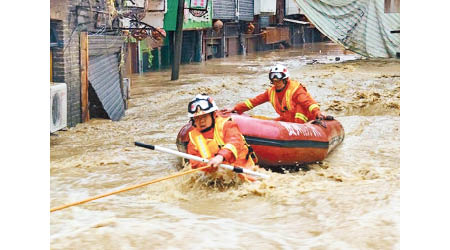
(126, 189)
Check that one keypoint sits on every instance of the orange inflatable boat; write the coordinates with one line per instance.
(283, 144)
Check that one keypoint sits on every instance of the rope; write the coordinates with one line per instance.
(126, 189)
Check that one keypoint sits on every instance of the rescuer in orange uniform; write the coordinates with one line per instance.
(216, 137)
(289, 98)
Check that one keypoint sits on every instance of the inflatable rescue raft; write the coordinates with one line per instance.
(282, 144)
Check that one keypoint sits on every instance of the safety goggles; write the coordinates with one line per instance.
(273, 75)
(202, 104)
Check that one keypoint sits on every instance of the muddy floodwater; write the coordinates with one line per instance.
(351, 200)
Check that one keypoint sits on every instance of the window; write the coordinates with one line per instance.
(53, 37)
(53, 44)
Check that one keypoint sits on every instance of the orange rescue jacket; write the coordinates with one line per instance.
(224, 139)
(293, 104)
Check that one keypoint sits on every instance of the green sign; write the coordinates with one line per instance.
(198, 4)
(193, 19)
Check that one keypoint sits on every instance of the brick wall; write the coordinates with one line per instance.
(58, 55)
(72, 66)
(66, 60)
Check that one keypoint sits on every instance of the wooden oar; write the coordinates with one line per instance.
(126, 189)
(196, 158)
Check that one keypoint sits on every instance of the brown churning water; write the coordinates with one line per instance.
(348, 201)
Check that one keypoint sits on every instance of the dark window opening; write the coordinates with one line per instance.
(53, 37)
(96, 109)
(53, 43)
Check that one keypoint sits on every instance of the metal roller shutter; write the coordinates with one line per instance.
(104, 44)
(104, 78)
(224, 9)
(246, 10)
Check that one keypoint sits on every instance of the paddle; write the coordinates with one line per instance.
(196, 158)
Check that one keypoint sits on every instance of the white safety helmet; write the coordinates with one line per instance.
(200, 105)
(278, 71)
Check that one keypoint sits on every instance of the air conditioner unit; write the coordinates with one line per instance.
(265, 7)
(58, 106)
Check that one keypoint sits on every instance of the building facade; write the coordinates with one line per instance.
(95, 45)
(87, 51)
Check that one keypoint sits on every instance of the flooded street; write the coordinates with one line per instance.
(349, 201)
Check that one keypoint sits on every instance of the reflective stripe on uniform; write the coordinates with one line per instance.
(313, 106)
(301, 116)
(200, 144)
(272, 98)
(290, 93)
(203, 148)
(217, 137)
(232, 148)
(248, 103)
(288, 99)
(218, 130)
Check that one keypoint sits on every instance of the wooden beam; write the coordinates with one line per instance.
(129, 61)
(84, 63)
(51, 65)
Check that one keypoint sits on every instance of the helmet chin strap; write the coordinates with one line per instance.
(208, 128)
(284, 86)
(212, 124)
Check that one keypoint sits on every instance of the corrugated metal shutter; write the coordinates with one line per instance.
(103, 73)
(102, 45)
(104, 77)
(246, 10)
(224, 9)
